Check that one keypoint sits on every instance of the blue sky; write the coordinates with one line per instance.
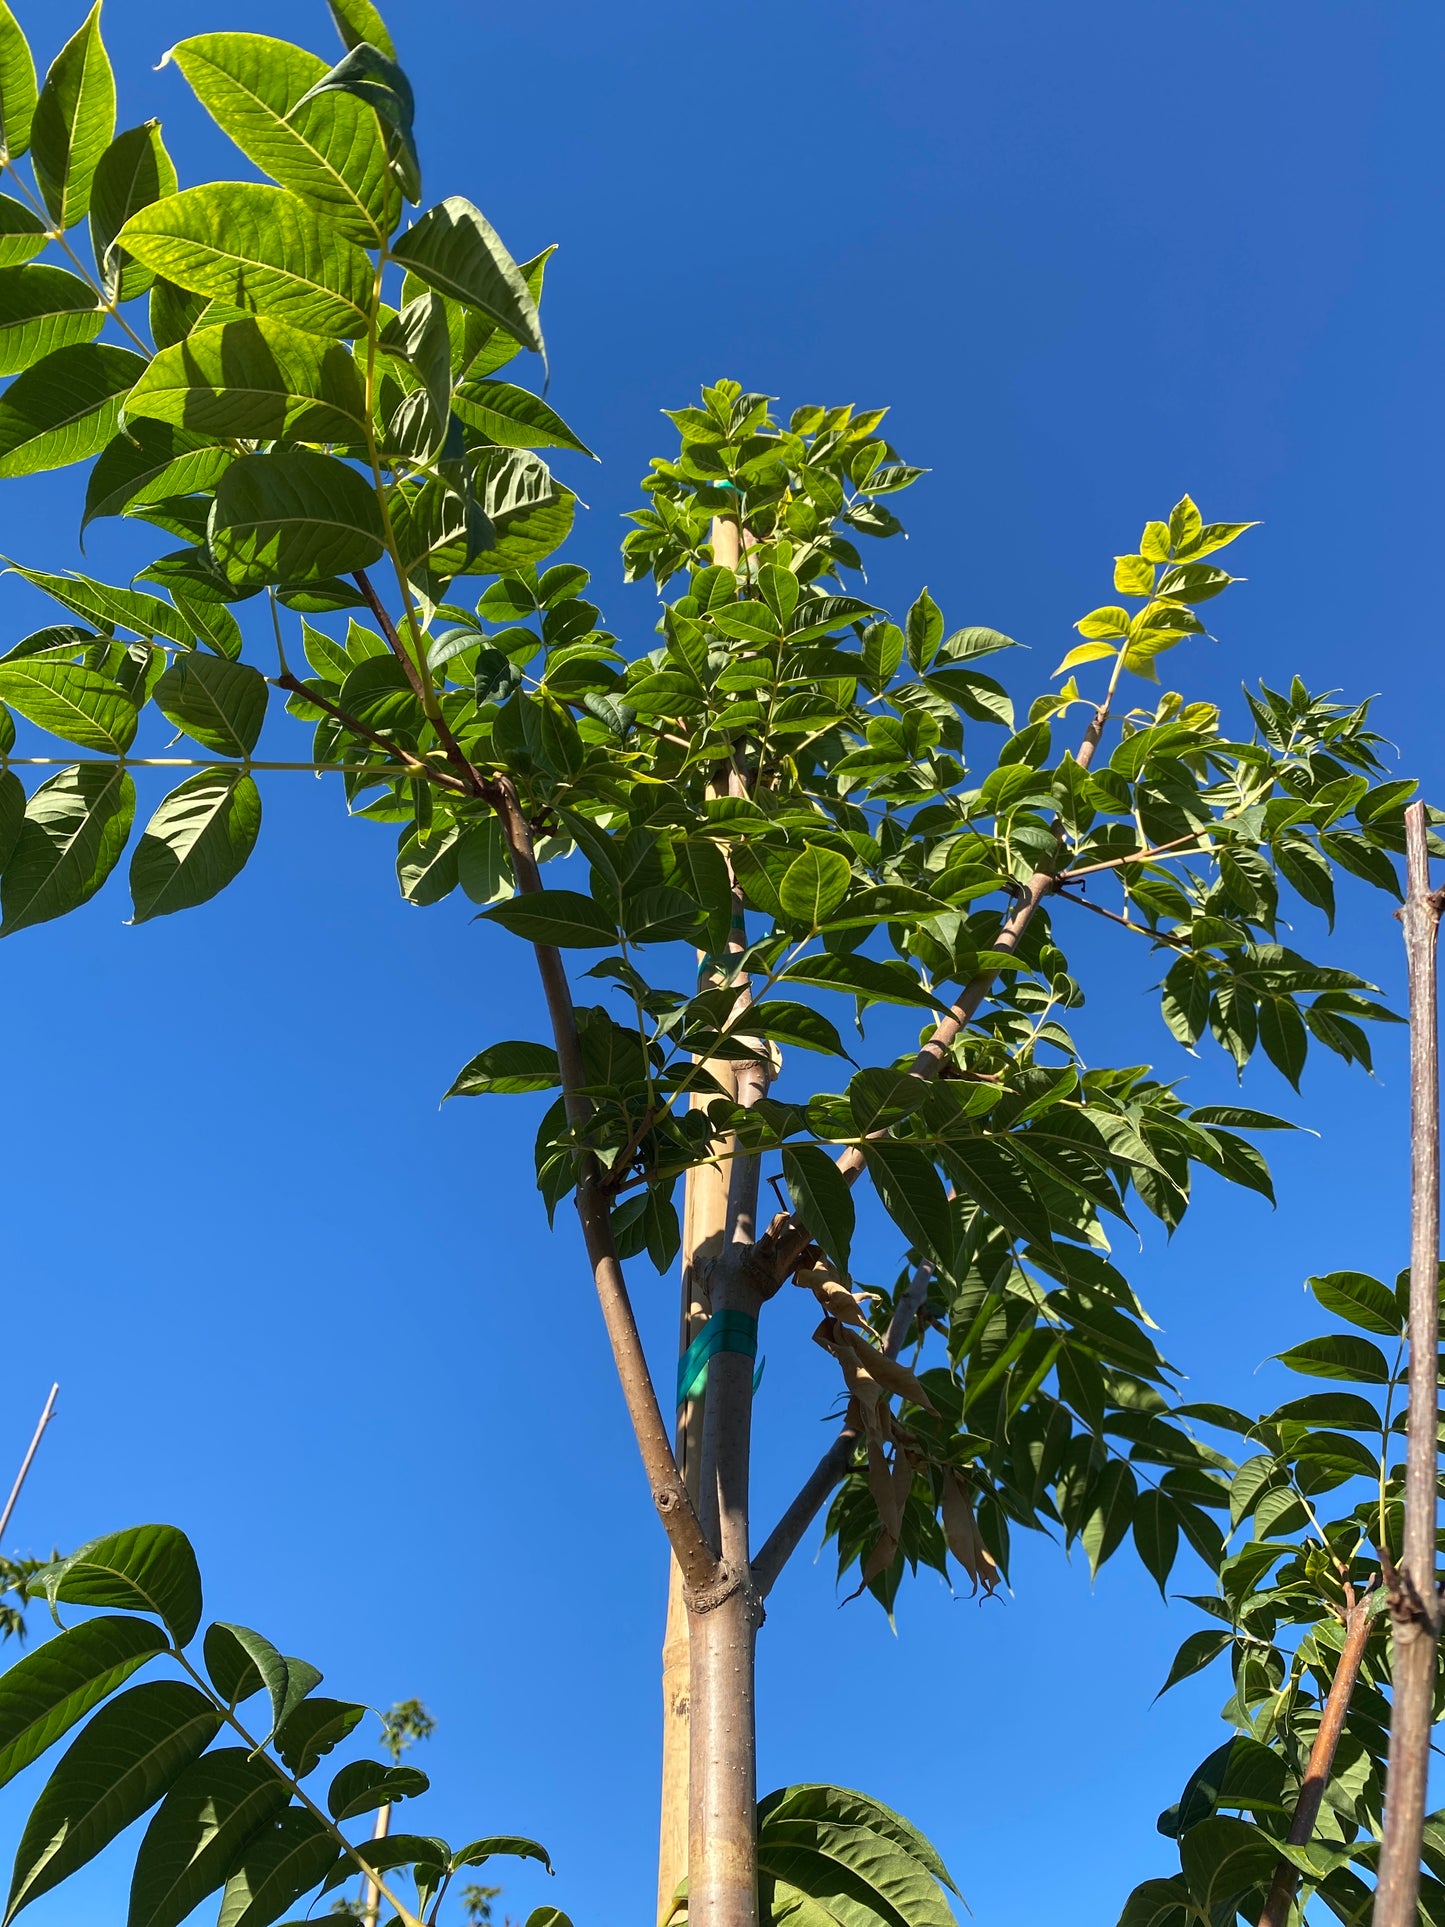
(1092, 257)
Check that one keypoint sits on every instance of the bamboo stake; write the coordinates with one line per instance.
(28, 1460)
(1414, 1599)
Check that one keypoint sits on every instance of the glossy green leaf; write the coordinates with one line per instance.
(527, 536)
(43, 308)
(456, 250)
(206, 1820)
(74, 122)
(17, 87)
(197, 842)
(1159, 1903)
(1156, 1535)
(257, 380)
(111, 608)
(149, 1569)
(329, 151)
(822, 1199)
(71, 701)
(1360, 1300)
(426, 867)
(365, 1785)
(1197, 1651)
(357, 21)
(46, 1692)
(283, 1861)
(364, 73)
(788, 1023)
(562, 917)
(507, 1069)
(131, 1753)
(1223, 1859)
(1109, 1512)
(134, 172)
(65, 408)
(397, 1850)
(291, 515)
(221, 704)
(874, 980)
(259, 248)
(514, 417)
(813, 886)
(1339, 1356)
(75, 828)
(146, 463)
(232, 1666)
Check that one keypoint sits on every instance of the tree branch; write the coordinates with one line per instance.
(1140, 856)
(415, 765)
(594, 1210)
(426, 695)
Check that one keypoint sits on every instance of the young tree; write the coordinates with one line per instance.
(311, 389)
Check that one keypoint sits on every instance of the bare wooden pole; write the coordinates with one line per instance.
(1414, 1599)
(1321, 1761)
(29, 1459)
(371, 1904)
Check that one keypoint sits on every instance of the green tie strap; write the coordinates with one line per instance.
(725, 1331)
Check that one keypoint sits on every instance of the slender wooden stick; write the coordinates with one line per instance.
(1321, 1761)
(1414, 1598)
(28, 1460)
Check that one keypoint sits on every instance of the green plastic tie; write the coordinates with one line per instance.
(725, 1331)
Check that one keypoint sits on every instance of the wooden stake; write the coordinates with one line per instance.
(28, 1460)
(1414, 1599)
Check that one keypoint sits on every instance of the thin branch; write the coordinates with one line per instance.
(416, 676)
(28, 1460)
(1414, 1599)
(1124, 923)
(594, 1209)
(1278, 1906)
(1142, 856)
(415, 766)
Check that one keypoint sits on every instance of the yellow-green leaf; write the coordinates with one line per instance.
(74, 122)
(17, 87)
(1133, 575)
(1086, 652)
(65, 407)
(1099, 623)
(255, 380)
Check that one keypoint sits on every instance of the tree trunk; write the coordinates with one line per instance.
(1414, 1600)
(722, 1634)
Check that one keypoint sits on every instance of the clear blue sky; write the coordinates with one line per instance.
(1092, 257)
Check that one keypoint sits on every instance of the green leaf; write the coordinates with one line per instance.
(206, 1820)
(456, 250)
(357, 21)
(148, 462)
(74, 122)
(1109, 1512)
(197, 842)
(846, 1807)
(75, 828)
(285, 1860)
(913, 1195)
(1194, 1655)
(254, 380)
(790, 1023)
(821, 1198)
(46, 1692)
(1359, 1300)
(70, 701)
(293, 515)
(12, 809)
(397, 1850)
(1156, 1535)
(132, 1752)
(923, 627)
(872, 980)
(222, 704)
(562, 917)
(22, 234)
(312, 1729)
(513, 417)
(1223, 1859)
(259, 249)
(513, 1845)
(426, 867)
(110, 609)
(148, 1569)
(17, 87)
(43, 308)
(813, 886)
(366, 74)
(134, 172)
(507, 1069)
(1158, 1903)
(328, 151)
(365, 1785)
(65, 408)
(233, 1670)
(1282, 1032)
(1339, 1356)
